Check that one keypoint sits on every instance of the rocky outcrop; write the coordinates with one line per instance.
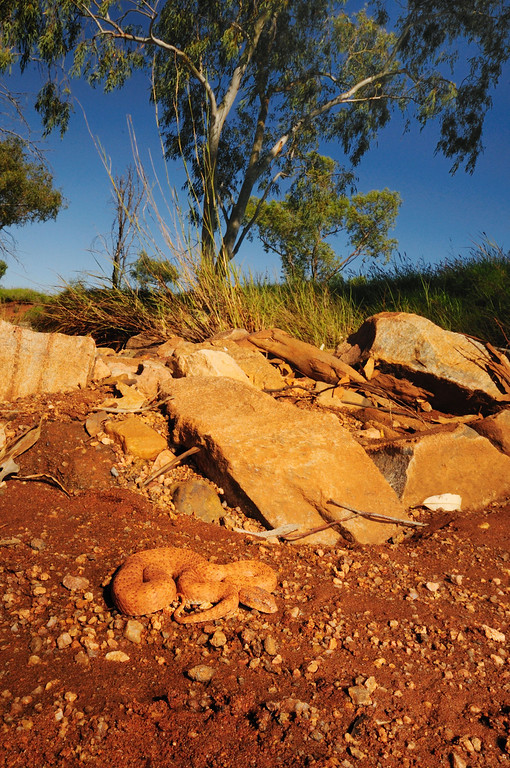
(225, 357)
(32, 362)
(281, 464)
(453, 460)
(441, 361)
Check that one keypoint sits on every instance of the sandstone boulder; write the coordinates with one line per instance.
(207, 362)
(453, 366)
(33, 362)
(453, 460)
(281, 464)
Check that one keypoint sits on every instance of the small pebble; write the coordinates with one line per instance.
(201, 673)
(359, 695)
(218, 639)
(117, 656)
(75, 583)
(133, 631)
(64, 640)
(38, 544)
(270, 646)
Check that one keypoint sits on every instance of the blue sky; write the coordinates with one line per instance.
(441, 215)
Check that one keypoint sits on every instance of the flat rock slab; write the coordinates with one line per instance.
(440, 360)
(281, 464)
(457, 461)
(33, 362)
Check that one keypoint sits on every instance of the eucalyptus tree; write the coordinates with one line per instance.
(321, 204)
(27, 193)
(246, 89)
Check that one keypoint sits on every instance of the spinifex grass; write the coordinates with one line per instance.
(469, 295)
(212, 304)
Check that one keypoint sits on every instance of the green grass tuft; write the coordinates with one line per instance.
(469, 295)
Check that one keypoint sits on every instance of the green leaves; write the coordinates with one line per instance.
(246, 90)
(320, 205)
(26, 188)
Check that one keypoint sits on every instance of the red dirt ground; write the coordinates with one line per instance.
(378, 657)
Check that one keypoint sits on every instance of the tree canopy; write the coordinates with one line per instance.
(26, 188)
(320, 204)
(247, 89)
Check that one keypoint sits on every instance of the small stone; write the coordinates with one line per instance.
(270, 646)
(457, 761)
(359, 695)
(493, 634)
(64, 640)
(33, 660)
(218, 639)
(117, 656)
(133, 631)
(38, 544)
(432, 586)
(75, 583)
(82, 659)
(201, 673)
(137, 437)
(70, 696)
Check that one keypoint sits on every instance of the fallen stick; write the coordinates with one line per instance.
(282, 530)
(169, 465)
(375, 516)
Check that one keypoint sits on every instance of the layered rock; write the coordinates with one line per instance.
(33, 363)
(453, 460)
(451, 365)
(280, 463)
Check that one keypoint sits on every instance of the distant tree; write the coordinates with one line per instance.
(322, 203)
(153, 274)
(3, 268)
(246, 89)
(27, 193)
(118, 245)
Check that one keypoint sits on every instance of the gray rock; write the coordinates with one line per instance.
(198, 498)
(281, 464)
(448, 364)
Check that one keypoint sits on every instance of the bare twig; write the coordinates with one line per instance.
(43, 477)
(169, 465)
(376, 517)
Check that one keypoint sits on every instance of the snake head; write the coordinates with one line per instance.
(258, 598)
